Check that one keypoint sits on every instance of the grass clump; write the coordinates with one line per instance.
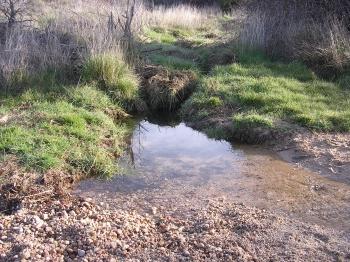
(114, 76)
(251, 120)
(71, 129)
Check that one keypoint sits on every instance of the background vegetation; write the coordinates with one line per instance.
(71, 72)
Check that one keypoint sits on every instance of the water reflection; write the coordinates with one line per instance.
(175, 166)
(178, 151)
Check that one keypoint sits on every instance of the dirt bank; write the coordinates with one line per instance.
(325, 153)
(78, 230)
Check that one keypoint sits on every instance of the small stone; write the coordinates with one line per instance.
(26, 254)
(81, 252)
(64, 214)
(186, 253)
(37, 222)
(154, 210)
(181, 239)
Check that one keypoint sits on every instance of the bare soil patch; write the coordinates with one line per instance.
(326, 153)
(19, 188)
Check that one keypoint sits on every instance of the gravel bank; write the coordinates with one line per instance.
(73, 229)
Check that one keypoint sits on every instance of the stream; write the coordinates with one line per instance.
(172, 166)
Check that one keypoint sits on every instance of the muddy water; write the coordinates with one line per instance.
(177, 168)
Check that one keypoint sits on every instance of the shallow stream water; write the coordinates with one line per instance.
(171, 166)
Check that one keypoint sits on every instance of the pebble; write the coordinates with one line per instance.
(37, 222)
(81, 252)
(154, 210)
(186, 253)
(26, 254)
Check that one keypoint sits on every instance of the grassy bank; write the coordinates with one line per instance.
(255, 92)
(244, 94)
(79, 129)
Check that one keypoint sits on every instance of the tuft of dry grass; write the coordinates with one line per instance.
(182, 16)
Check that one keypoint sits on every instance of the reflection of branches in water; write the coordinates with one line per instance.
(134, 156)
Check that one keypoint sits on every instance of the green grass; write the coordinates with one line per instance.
(173, 62)
(250, 120)
(179, 36)
(54, 124)
(78, 129)
(281, 91)
(115, 77)
(248, 88)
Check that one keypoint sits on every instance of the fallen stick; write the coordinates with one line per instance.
(38, 194)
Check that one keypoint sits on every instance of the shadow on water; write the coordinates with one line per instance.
(171, 164)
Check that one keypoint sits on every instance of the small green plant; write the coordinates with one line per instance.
(215, 101)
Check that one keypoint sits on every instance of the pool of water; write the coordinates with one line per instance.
(170, 165)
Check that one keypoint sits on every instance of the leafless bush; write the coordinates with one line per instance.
(64, 34)
(15, 11)
(326, 46)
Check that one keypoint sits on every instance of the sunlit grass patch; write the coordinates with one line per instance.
(285, 91)
(251, 120)
(73, 130)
